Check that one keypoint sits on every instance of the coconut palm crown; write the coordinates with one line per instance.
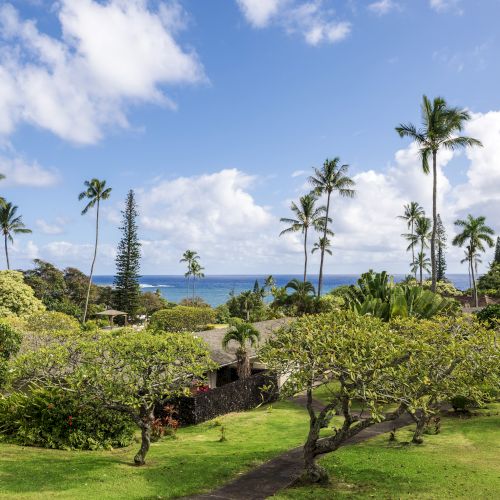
(11, 223)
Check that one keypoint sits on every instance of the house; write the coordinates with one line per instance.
(226, 359)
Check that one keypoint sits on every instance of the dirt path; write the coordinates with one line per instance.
(280, 472)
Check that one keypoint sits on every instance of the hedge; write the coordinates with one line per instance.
(182, 318)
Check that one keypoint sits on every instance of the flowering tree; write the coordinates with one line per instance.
(129, 373)
(376, 364)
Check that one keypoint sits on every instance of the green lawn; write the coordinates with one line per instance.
(194, 462)
(460, 462)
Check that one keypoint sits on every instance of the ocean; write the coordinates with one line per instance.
(215, 290)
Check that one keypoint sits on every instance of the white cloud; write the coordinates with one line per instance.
(109, 56)
(67, 253)
(57, 227)
(310, 19)
(19, 172)
(299, 173)
(445, 5)
(382, 7)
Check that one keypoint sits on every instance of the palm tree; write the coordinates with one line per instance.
(422, 263)
(242, 333)
(330, 178)
(302, 295)
(189, 256)
(95, 192)
(307, 215)
(476, 233)
(412, 212)
(11, 223)
(422, 234)
(196, 272)
(441, 124)
(467, 258)
(322, 245)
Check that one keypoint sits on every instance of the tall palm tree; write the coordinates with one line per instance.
(422, 234)
(412, 212)
(308, 215)
(332, 177)
(421, 263)
(323, 245)
(188, 257)
(441, 126)
(242, 333)
(476, 233)
(196, 272)
(467, 258)
(95, 192)
(11, 223)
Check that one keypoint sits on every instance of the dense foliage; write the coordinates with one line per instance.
(128, 373)
(490, 315)
(53, 418)
(377, 295)
(16, 297)
(409, 363)
(182, 319)
(127, 292)
(10, 342)
(490, 282)
(65, 291)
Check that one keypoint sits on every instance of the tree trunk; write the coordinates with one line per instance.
(320, 278)
(305, 255)
(421, 275)
(419, 430)
(474, 288)
(6, 251)
(413, 250)
(434, 219)
(147, 417)
(243, 364)
(93, 263)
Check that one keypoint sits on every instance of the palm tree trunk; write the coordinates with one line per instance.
(305, 254)
(6, 251)
(421, 275)
(320, 278)
(93, 263)
(413, 250)
(434, 219)
(470, 277)
(476, 301)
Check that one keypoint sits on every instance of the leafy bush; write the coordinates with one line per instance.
(461, 403)
(17, 298)
(222, 314)
(10, 341)
(182, 318)
(50, 321)
(56, 419)
(490, 315)
(443, 288)
(491, 280)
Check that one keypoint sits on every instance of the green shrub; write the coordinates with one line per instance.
(490, 315)
(222, 314)
(461, 403)
(491, 280)
(56, 419)
(51, 321)
(10, 342)
(182, 319)
(16, 297)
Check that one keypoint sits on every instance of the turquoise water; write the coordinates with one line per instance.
(215, 290)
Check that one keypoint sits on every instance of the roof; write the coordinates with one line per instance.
(227, 357)
(111, 312)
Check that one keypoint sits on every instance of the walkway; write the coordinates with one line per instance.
(281, 472)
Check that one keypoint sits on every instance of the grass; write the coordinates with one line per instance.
(196, 461)
(460, 462)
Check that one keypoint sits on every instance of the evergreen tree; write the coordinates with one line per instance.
(441, 247)
(496, 260)
(127, 290)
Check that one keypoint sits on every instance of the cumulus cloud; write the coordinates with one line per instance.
(382, 7)
(110, 55)
(67, 253)
(445, 5)
(310, 19)
(57, 227)
(19, 172)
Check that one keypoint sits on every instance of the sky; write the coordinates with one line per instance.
(215, 112)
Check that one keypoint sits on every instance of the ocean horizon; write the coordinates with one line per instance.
(215, 289)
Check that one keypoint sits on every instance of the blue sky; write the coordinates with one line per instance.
(215, 112)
